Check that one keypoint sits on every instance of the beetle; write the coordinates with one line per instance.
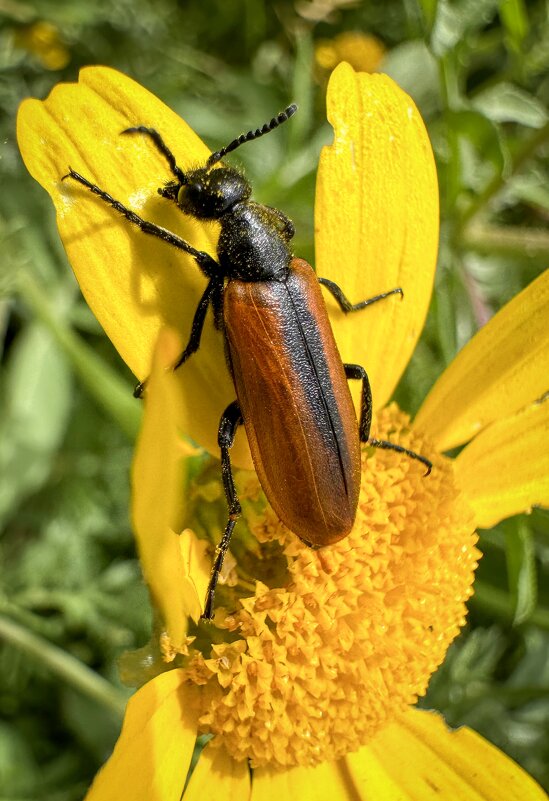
(291, 384)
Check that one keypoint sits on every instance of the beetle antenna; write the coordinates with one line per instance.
(162, 148)
(247, 137)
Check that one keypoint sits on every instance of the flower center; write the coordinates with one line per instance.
(332, 645)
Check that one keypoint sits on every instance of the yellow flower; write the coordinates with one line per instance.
(309, 673)
(42, 39)
(362, 51)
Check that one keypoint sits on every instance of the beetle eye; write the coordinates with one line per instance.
(189, 194)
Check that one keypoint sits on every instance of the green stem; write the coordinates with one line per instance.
(301, 88)
(506, 239)
(65, 666)
(103, 384)
(522, 154)
(449, 90)
(497, 602)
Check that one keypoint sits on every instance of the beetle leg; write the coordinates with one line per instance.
(198, 322)
(390, 446)
(207, 264)
(217, 305)
(355, 371)
(196, 331)
(230, 420)
(345, 304)
(358, 372)
(283, 223)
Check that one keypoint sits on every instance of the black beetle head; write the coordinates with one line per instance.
(209, 194)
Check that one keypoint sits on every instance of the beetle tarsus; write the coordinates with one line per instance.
(392, 446)
(140, 389)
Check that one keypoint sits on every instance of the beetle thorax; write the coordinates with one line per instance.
(251, 246)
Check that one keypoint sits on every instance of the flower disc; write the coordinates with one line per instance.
(315, 665)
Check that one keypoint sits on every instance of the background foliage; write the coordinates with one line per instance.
(71, 595)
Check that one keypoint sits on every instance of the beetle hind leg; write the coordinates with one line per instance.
(230, 420)
(385, 445)
(355, 371)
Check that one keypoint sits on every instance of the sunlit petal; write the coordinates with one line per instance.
(197, 569)
(325, 782)
(135, 284)
(505, 469)
(152, 756)
(376, 221)
(420, 759)
(502, 369)
(218, 777)
(157, 496)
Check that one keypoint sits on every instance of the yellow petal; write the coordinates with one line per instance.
(218, 777)
(157, 495)
(151, 759)
(505, 469)
(502, 369)
(325, 782)
(376, 221)
(420, 759)
(135, 284)
(197, 570)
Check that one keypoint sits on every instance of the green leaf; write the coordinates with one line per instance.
(36, 409)
(18, 767)
(521, 571)
(429, 11)
(514, 17)
(530, 189)
(505, 102)
(102, 382)
(454, 22)
(481, 153)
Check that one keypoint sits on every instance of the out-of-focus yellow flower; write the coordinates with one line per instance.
(43, 40)
(308, 674)
(361, 50)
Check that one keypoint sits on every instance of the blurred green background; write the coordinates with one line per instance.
(71, 595)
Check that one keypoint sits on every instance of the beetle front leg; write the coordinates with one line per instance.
(345, 304)
(230, 420)
(357, 372)
(196, 332)
(207, 264)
